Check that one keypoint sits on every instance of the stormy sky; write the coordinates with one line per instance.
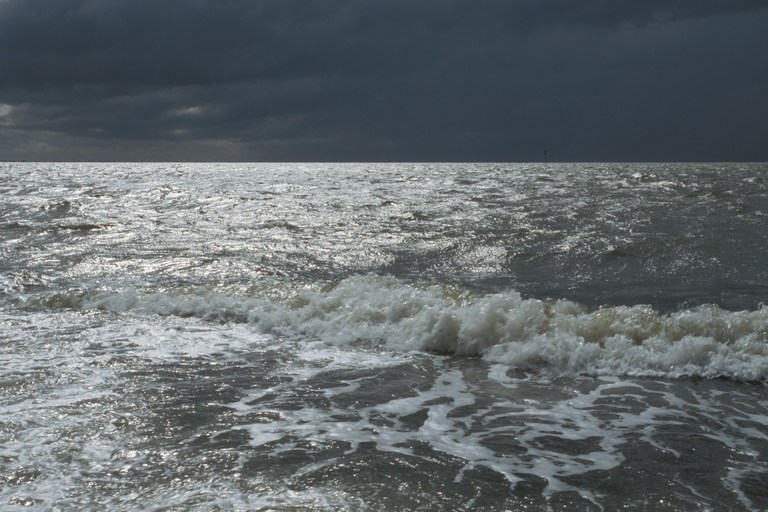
(384, 80)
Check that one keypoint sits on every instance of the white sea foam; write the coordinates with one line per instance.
(558, 336)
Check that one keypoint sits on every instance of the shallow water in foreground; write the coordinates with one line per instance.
(397, 337)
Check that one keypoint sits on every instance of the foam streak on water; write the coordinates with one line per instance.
(383, 337)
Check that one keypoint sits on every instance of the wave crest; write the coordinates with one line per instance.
(559, 336)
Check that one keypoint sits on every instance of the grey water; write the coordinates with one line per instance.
(383, 336)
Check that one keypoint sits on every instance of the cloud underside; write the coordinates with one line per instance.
(445, 80)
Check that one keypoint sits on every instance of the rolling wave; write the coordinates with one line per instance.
(562, 337)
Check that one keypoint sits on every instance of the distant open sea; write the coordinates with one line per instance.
(383, 337)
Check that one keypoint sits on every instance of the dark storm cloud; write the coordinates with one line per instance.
(385, 79)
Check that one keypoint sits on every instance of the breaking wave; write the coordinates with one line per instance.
(562, 337)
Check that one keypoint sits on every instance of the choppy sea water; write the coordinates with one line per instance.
(315, 337)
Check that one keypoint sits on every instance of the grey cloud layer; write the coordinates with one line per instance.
(386, 79)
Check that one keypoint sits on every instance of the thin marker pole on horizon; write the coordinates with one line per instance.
(545, 160)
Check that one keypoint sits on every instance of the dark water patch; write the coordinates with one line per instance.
(754, 489)
(294, 398)
(653, 479)
(20, 476)
(59, 208)
(376, 386)
(297, 454)
(617, 254)
(280, 224)
(83, 227)
(17, 226)
(423, 216)
(24, 501)
(578, 447)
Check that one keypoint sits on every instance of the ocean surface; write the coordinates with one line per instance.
(312, 337)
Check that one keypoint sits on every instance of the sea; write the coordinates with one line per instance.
(383, 336)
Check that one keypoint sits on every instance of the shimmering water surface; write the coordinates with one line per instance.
(383, 336)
